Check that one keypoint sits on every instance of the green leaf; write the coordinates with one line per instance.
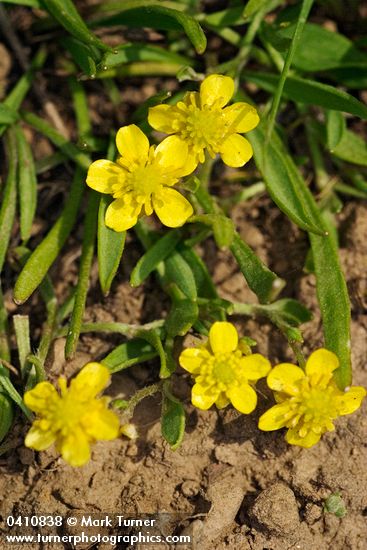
(335, 128)
(8, 388)
(284, 183)
(27, 184)
(225, 18)
(154, 339)
(291, 311)
(178, 271)
(110, 248)
(143, 14)
(181, 317)
(310, 92)
(90, 231)
(252, 7)
(4, 330)
(128, 354)
(47, 251)
(6, 415)
(7, 115)
(128, 53)
(172, 421)
(29, 3)
(351, 148)
(21, 328)
(65, 12)
(155, 255)
(82, 54)
(263, 282)
(205, 287)
(8, 199)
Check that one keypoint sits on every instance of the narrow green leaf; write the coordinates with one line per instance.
(7, 115)
(154, 339)
(351, 148)
(178, 271)
(204, 283)
(6, 415)
(172, 421)
(335, 128)
(181, 317)
(8, 200)
(110, 248)
(21, 327)
(223, 231)
(139, 14)
(27, 184)
(153, 257)
(252, 7)
(128, 354)
(90, 230)
(70, 150)
(284, 183)
(81, 108)
(47, 251)
(260, 279)
(4, 330)
(29, 3)
(65, 12)
(9, 389)
(81, 53)
(291, 311)
(310, 92)
(128, 53)
(229, 17)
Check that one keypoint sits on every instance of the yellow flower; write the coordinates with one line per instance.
(202, 122)
(73, 419)
(141, 180)
(222, 373)
(308, 402)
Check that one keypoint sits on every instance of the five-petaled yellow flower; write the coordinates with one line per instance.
(222, 373)
(308, 402)
(142, 178)
(73, 419)
(202, 122)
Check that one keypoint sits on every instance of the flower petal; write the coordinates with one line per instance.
(102, 423)
(216, 89)
(104, 176)
(121, 216)
(320, 366)
(191, 359)
(255, 366)
(40, 398)
(75, 448)
(236, 150)
(223, 337)
(222, 401)
(171, 207)
(243, 398)
(293, 438)
(283, 378)
(38, 438)
(161, 117)
(91, 380)
(351, 400)
(202, 398)
(173, 155)
(274, 418)
(132, 144)
(241, 117)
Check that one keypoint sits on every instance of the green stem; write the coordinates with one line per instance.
(139, 396)
(117, 328)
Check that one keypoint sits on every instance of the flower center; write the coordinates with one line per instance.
(221, 371)
(312, 409)
(144, 181)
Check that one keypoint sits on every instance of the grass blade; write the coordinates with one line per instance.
(8, 206)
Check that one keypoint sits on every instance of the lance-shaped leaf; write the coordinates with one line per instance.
(27, 184)
(110, 248)
(172, 420)
(128, 354)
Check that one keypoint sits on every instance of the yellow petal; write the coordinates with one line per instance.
(191, 359)
(104, 176)
(241, 117)
(161, 117)
(91, 380)
(293, 438)
(320, 366)
(132, 144)
(216, 89)
(351, 400)
(236, 150)
(202, 398)
(121, 216)
(102, 423)
(274, 418)
(222, 401)
(40, 398)
(75, 448)
(243, 398)
(39, 439)
(173, 155)
(255, 366)
(171, 207)
(223, 337)
(284, 377)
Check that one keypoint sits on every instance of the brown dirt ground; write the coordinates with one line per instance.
(236, 486)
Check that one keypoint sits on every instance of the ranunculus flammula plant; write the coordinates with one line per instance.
(73, 419)
(203, 122)
(142, 180)
(308, 401)
(223, 374)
